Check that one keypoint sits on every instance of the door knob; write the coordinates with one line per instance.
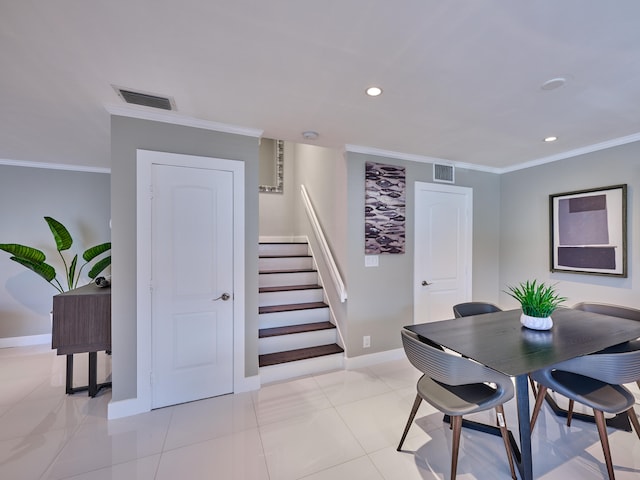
(425, 283)
(224, 297)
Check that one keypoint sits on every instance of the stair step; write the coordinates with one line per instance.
(299, 354)
(283, 249)
(276, 255)
(292, 329)
(288, 288)
(292, 307)
(287, 270)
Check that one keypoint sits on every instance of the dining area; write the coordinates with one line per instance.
(486, 357)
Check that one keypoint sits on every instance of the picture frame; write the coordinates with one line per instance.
(588, 231)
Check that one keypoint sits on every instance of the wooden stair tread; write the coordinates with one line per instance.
(289, 270)
(287, 288)
(299, 354)
(284, 255)
(292, 329)
(292, 307)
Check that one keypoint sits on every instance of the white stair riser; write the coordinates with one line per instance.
(284, 371)
(298, 317)
(294, 341)
(283, 249)
(289, 297)
(287, 279)
(285, 263)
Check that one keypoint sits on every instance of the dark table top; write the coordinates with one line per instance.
(499, 341)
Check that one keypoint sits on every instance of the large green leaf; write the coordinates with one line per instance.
(72, 272)
(93, 252)
(45, 270)
(60, 234)
(22, 251)
(99, 267)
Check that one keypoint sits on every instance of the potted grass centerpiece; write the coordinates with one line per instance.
(538, 301)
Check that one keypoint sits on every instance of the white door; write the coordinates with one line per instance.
(443, 248)
(192, 284)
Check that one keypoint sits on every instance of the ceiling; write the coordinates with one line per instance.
(462, 80)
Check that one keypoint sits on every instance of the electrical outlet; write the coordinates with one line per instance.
(366, 341)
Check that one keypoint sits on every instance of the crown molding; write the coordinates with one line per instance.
(148, 113)
(616, 142)
(54, 166)
(417, 158)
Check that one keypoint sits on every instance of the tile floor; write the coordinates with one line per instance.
(339, 425)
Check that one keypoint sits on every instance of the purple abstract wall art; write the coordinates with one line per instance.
(385, 201)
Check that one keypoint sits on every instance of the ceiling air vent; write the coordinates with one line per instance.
(443, 173)
(145, 99)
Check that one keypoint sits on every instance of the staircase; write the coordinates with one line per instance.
(296, 336)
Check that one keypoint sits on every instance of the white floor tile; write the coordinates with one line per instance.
(339, 425)
(307, 444)
(361, 468)
(235, 457)
(281, 401)
(139, 469)
(214, 417)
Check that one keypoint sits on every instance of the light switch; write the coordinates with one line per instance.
(371, 260)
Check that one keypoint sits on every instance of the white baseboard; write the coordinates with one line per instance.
(247, 384)
(126, 408)
(25, 341)
(374, 358)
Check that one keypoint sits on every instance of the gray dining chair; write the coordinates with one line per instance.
(613, 311)
(597, 382)
(456, 386)
(468, 309)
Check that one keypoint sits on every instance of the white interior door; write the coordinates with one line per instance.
(443, 248)
(192, 284)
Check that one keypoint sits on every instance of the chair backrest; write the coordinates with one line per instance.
(608, 309)
(468, 309)
(449, 368)
(613, 368)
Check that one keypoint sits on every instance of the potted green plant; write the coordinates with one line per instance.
(538, 301)
(34, 259)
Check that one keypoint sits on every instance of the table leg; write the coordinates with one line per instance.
(69, 381)
(93, 374)
(524, 463)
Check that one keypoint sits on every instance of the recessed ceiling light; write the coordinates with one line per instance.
(550, 139)
(553, 83)
(374, 91)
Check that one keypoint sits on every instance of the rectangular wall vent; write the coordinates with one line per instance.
(443, 173)
(145, 99)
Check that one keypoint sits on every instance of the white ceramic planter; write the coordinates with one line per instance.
(536, 323)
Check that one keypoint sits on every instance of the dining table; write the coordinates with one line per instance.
(499, 341)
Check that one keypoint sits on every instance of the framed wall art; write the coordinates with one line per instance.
(384, 221)
(589, 231)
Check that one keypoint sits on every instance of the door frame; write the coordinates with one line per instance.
(467, 192)
(145, 159)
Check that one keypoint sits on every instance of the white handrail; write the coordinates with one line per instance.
(324, 246)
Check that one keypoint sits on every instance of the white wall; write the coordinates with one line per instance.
(524, 239)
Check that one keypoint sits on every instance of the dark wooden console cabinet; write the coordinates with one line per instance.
(82, 323)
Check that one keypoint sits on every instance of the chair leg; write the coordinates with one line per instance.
(570, 412)
(533, 387)
(542, 390)
(455, 447)
(412, 415)
(604, 440)
(634, 420)
(502, 424)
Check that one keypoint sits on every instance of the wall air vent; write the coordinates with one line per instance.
(145, 99)
(443, 173)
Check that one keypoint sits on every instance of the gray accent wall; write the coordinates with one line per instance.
(80, 200)
(277, 209)
(524, 239)
(128, 135)
(381, 298)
